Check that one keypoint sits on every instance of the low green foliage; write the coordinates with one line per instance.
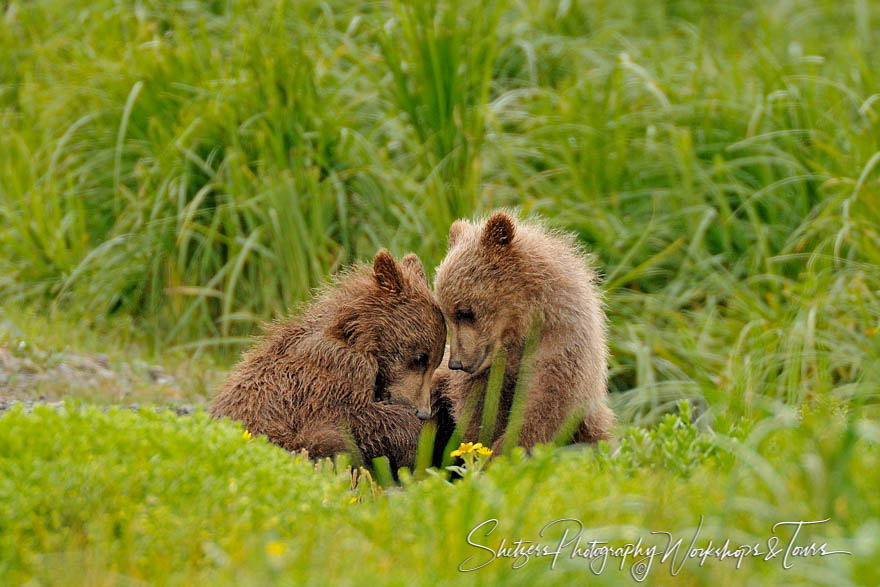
(675, 444)
(119, 496)
(169, 494)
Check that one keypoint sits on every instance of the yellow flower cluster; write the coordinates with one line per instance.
(469, 447)
(246, 435)
(276, 549)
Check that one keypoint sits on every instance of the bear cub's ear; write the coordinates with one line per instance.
(387, 272)
(414, 264)
(456, 231)
(499, 231)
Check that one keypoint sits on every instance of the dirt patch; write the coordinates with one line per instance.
(30, 375)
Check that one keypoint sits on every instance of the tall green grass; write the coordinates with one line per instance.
(200, 167)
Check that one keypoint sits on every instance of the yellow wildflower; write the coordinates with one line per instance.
(276, 548)
(246, 435)
(353, 500)
(463, 449)
(484, 451)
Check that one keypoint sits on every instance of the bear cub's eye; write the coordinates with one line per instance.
(464, 315)
(420, 361)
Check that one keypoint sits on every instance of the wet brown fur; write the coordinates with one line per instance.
(504, 272)
(344, 369)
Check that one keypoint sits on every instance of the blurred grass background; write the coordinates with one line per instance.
(198, 167)
(173, 174)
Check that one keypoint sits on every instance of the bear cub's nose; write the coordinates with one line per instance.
(423, 414)
(455, 364)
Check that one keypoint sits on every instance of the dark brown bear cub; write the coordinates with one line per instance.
(497, 276)
(355, 367)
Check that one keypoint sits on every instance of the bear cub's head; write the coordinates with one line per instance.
(396, 320)
(483, 289)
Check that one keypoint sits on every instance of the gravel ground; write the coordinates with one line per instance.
(6, 404)
(30, 376)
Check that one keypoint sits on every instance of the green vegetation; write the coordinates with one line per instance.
(172, 174)
(120, 496)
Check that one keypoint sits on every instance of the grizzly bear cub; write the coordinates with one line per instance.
(496, 278)
(355, 368)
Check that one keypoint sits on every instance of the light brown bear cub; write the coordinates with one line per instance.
(496, 276)
(355, 366)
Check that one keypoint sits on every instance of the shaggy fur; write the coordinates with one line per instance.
(355, 367)
(496, 276)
